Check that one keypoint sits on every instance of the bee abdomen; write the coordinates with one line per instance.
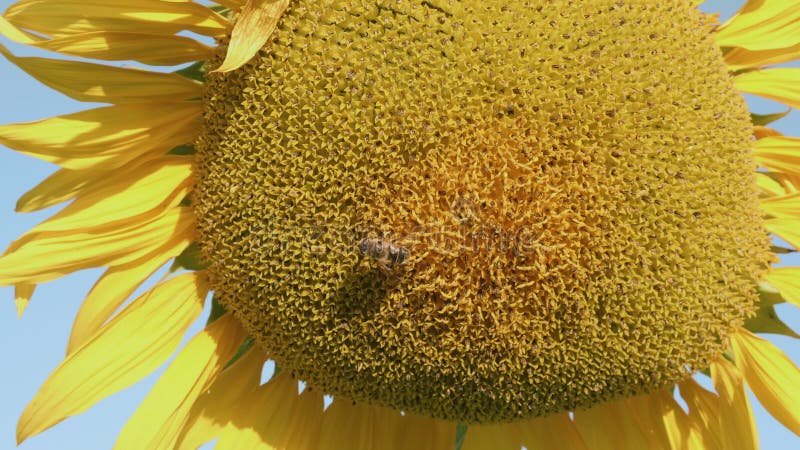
(384, 252)
(397, 255)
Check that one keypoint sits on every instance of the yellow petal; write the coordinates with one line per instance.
(676, 422)
(785, 229)
(15, 34)
(761, 132)
(787, 281)
(59, 187)
(89, 82)
(762, 25)
(158, 421)
(232, 4)
(779, 153)
(505, 436)
(782, 84)
(610, 426)
(67, 17)
(302, 431)
(38, 259)
(423, 433)
(790, 182)
(358, 426)
(22, 296)
(267, 418)
(650, 413)
(212, 410)
(66, 184)
(771, 375)
(782, 206)
(114, 287)
(740, 58)
(151, 49)
(704, 414)
(131, 346)
(149, 190)
(147, 48)
(738, 428)
(769, 186)
(254, 26)
(362, 427)
(305, 423)
(115, 134)
(556, 431)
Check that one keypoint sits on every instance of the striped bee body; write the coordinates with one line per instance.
(387, 255)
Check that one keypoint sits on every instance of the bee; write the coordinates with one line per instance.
(387, 255)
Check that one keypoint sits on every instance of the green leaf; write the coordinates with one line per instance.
(768, 295)
(782, 250)
(196, 71)
(186, 149)
(221, 10)
(246, 345)
(766, 119)
(217, 311)
(461, 434)
(766, 320)
(190, 259)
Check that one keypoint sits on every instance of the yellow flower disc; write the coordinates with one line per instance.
(574, 182)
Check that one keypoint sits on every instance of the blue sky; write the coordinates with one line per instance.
(34, 345)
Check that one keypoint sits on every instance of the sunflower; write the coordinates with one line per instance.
(470, 224)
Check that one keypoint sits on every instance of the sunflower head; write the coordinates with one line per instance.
(576, 197)
(528, 219)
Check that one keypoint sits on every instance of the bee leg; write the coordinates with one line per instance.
(385, 268)
(397, 255)
(391, 276)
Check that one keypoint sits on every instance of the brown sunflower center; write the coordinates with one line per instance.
(571, 183)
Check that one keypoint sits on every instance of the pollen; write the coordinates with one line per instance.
(572, 183)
